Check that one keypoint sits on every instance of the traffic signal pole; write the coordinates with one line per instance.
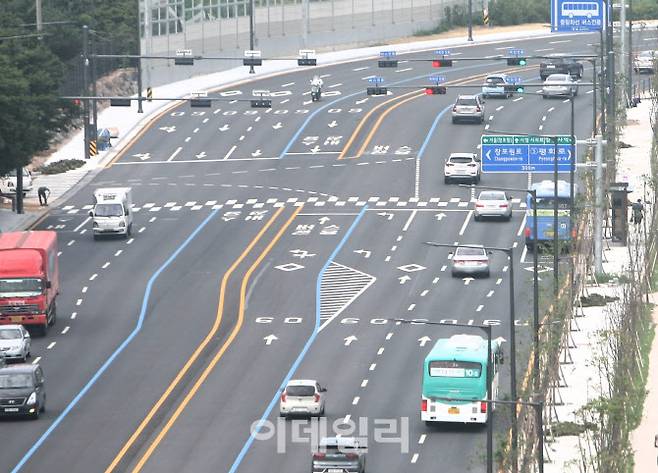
(85, 87)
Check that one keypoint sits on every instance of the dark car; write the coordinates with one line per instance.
(22, 391)
(339, 454)
(560, 65)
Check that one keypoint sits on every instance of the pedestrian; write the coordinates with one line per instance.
(43, 193)
(638, 212)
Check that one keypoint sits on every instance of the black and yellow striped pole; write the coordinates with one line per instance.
(92, 148)
(149, 94)
(485, 16)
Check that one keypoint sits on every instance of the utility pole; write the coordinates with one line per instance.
(629, 82)
(251, 32)
(39, 15)
(470, 20)
(622, 36)
(598, 206)
(140, 109)
(305, 22)
(85, 87)
(93, 129)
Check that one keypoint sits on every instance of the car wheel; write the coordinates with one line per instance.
(476, 217)
(544, 96)
(481, 120)
(454, 273)
(95, 237)
(446, 180)
(454, 120)
(486, 274)
(43, 329)
(42, 407)
(509, 217)
(477, 179)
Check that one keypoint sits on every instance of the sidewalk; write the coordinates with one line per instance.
(130, 123)
(643, 438)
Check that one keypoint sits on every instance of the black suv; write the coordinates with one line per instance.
(560, 65)
(22, 391)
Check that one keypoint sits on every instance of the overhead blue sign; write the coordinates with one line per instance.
(577, 15)
(437, 79)
(442, 52)
(375, 79)
(515, 52)
(387, 53)
(515, 153)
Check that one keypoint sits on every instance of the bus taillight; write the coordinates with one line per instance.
(527, 232)
(423, 405)
(483, 407)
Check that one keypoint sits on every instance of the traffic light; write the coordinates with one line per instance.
(202, 102)
(520, 88)
(517, 61)
(120, 102)
(307, 61)
(252, 61)
(261, 103)
(442, 63)
(377, 90)
(387, 63)
(436, 90)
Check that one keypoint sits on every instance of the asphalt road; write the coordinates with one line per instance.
(272, 243)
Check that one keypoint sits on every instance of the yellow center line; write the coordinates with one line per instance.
(363, 122)
(199, 349)
(206, 372)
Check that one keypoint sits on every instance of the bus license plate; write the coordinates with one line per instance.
(11, 409)
(549, 234)
(453, 410)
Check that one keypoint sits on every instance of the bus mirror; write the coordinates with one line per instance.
(655, 441)
(501, 358)
(91, 213)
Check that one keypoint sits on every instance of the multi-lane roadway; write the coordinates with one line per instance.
(278, 243)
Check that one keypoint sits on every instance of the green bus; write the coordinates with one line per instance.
(455, 379)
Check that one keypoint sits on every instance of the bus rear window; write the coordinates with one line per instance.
(548, 203)
(455, 369)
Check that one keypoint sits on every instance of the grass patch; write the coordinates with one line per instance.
(566, 429)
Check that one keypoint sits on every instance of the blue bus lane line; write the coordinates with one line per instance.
(259, 424)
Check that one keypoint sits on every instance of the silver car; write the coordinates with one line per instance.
(497, 85)
(340, 455)
(15, 342)
(559, 85)
(468, 108)
(493, 204)
(473, 260)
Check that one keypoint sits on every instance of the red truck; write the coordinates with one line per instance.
(29, 278)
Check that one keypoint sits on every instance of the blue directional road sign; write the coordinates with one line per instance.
(514, 153)
(577, 15)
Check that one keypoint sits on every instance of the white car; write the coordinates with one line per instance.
(559, 85)
(302, 397)
(15, 342)
(462, 166)
(497, 85)
(493, 204)
(645, 62)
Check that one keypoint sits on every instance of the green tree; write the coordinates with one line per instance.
(32, 113)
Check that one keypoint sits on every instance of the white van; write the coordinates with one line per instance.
(112, 213)
(8, 182)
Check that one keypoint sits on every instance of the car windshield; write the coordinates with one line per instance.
(300, 390)
(108, 210)
(461, 159)
(469, 251)
(467, 101)
(16, 381)
(646, 54)
(495, 80)
(10, 334)
(14, 286)
(492, 196)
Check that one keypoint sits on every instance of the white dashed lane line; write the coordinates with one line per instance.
(414, 458)
(74, 315)
(422, 438)
(84, 289)
(50, 347)
(364, 383)
(490, 293)
(93, 276)
(107, 263)
(78, 302)
(36, 360)
(70, 243)
(66, 329)
(389, 335)
(380, 351)
(130, 241)
(355, 401)
(372, 367)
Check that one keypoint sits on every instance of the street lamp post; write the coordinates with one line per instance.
(489, 400)
(512, 331)
(251, 32)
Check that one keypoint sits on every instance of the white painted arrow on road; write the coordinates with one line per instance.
(306, 102)
(387, 215)
(423, 340)
(440, 216)
(332, 124)
(467, 281)
(142, 156)
(269, 339)
(315, 149)
(277, 125)
(349, 340)
(224, 128)
(201, 155)
(359, 102)
(365, 253)
(323, 220)
(404, 279)
(257, 153)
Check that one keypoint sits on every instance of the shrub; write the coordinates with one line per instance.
(61, 166)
